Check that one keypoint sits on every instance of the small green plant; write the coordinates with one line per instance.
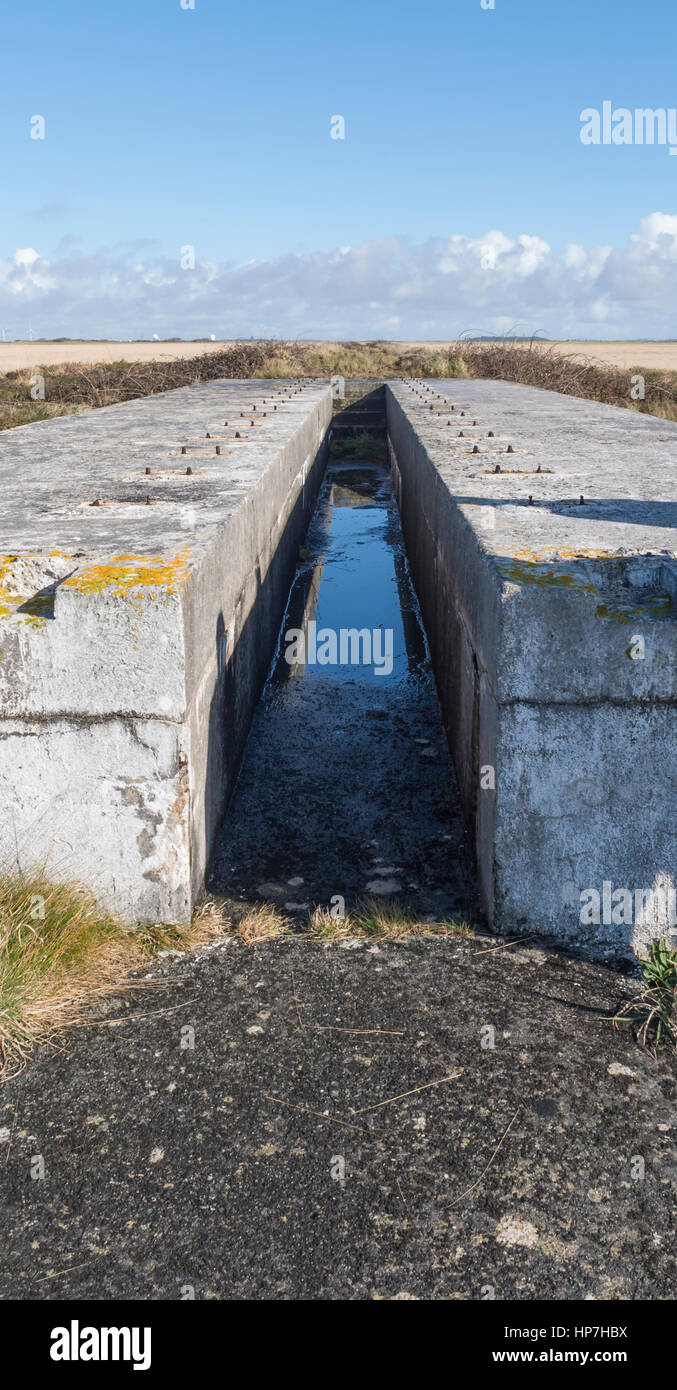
(361, 446)
(654, 1009)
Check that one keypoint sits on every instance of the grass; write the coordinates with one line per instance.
(61, 953)
(360, 446)
(71, 387)
(375, 917)
(653, 1010)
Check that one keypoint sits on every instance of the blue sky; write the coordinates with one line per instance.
(210, 127)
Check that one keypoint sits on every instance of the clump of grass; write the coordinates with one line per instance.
(262, 923)
(654, 1009)
(57, 947)
(383, 918)
(61, 952)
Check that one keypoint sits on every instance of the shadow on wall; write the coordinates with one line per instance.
(629, 511)
(241, 671)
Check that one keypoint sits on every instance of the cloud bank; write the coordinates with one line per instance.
(385, 288)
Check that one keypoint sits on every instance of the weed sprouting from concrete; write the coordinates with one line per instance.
(653, 1010)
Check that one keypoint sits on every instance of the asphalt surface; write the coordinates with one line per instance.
(262, 1163)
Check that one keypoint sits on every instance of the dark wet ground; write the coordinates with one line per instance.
(347, 787)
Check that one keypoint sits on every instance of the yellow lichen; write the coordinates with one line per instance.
(124, 572)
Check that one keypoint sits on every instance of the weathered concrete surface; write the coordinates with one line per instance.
(135, 634)
(211, 1168)
(553, 628)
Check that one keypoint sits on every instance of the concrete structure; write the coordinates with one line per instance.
(146, 552)
(547, 578)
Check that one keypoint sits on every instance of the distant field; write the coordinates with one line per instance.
(659, 357)
(15, 357)
(21, 356)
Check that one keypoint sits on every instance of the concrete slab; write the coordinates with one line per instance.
(547, 577)
(146, 552)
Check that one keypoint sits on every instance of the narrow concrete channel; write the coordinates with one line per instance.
(346, 788)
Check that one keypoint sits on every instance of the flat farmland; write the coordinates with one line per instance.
(24, 356)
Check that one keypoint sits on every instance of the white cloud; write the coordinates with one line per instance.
(388, 287)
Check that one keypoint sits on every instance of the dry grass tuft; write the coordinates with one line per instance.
(262, 923)
(60, 952)
(385, 919)
(57, 950)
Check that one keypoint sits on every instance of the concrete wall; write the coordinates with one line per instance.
(553, 630)
(138, 616)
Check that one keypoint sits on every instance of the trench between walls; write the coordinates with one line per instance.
(225, 696)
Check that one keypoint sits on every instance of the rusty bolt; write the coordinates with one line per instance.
(148, 470)
(582, 501)
(461, 434)
(510, 449)
(184, 450)
(218, 448)
(189, 471)
(148, 501)
(237, 434)
(208, 435)
(538, 469)
(497, 468)
(476, 449)
(530, 500)
(490, 434)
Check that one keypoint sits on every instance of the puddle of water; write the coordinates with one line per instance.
(352, 599)
(346, 782)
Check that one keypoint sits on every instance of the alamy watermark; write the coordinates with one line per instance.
(622, 126)
(349, 646)
(625, 907)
